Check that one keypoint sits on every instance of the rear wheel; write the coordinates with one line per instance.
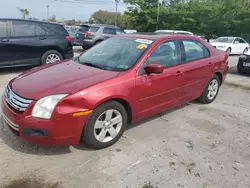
(211, 90)
(51, 56)
(106, 125)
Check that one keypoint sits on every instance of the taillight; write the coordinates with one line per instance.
(87, 34)
(68, 38)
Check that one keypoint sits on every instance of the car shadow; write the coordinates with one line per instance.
(159, 115)
(20, 145)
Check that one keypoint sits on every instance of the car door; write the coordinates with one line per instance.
(156, 92)
(197, 69)
(236, 46)
(5, 49)
(108, 32)
(26, 42)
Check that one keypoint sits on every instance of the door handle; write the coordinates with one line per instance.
(5, 40)
(178, 73)
(42, 38)
(209, 64)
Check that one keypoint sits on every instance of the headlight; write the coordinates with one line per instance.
(221, 46)
(45, 106)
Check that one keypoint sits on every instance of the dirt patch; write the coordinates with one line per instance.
(30, 182)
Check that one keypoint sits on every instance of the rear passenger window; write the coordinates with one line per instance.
(93, 29)
(195, 50)
(3, 28)
(40, 31)
(119, 32)
(110, 31)
(22, 28)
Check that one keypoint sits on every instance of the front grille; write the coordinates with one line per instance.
(15, 101)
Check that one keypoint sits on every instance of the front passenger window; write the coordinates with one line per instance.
(168, 54)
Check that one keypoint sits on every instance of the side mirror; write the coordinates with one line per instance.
(236, 42)
(155, 68)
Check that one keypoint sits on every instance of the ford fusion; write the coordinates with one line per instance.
(123, 79)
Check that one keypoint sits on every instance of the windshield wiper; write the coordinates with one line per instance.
(92, 65)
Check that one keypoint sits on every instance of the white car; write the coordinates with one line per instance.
(231, 45)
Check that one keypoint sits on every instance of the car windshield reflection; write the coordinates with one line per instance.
(115, 54)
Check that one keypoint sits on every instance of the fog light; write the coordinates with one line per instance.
(35, 132)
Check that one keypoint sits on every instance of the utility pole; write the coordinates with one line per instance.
(158, 12)
(47, 12)
(116, 5)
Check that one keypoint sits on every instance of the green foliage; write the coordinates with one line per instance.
(206, 17)
(24, 12)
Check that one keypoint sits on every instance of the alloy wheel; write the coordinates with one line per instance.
(108, 125)
(52, 58)
(212, 89)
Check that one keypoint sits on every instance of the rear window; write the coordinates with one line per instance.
(83, 28)
(54, 29)
(3, 28)
(93, 29)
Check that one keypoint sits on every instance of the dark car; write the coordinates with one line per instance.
(243, 65)
(117, 82)
(27, 42)
(95, 34)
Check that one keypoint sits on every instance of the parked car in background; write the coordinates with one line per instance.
(95, 34)
(243, 65)
(117, 82)
(231, 45)
(72, 34)
(26, 43)
(174, 32)
(130, 31)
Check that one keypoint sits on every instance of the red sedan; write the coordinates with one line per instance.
(117, 82)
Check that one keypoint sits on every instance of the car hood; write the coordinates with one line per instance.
(219, 44)
(59, 78)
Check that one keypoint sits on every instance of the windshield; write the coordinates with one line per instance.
(115, 54)
(225, 39)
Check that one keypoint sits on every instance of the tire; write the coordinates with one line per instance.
(204, 96)
(49, 53)
(228, 51)
(240, 67)
(97, 42)
(91, 133)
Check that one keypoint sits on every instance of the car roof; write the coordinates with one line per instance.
(34, 21)
(157, 37)
(104, 25)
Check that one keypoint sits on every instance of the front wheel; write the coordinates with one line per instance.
(228, 51)
(105, 126)
(211, 90)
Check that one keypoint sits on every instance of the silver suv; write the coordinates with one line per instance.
(95, 34)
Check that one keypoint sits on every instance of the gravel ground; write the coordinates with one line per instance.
(194, 146)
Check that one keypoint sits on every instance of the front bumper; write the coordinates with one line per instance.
(60, 130)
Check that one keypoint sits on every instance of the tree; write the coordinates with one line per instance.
(33, 18)
(24, 12)
(105, 17)
(52, 19)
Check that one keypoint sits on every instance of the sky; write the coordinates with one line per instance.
(62, 9)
